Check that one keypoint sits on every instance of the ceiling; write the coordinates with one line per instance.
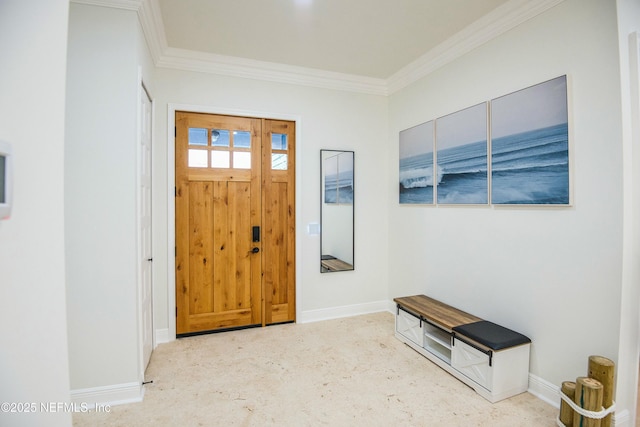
(367, 46)
(370, 38)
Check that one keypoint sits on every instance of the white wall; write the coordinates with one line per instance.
(33, 326)
(629, 34)
(553, 274)
(337, 229)
(529, 269)
(328, 119)
(105, 52)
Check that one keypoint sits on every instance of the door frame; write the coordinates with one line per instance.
(171, 201)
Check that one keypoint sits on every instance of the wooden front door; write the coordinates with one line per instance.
(235, 234)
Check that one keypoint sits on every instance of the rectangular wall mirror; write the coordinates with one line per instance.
(336, 217)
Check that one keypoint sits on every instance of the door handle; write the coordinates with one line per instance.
(256, 234)
(255, 250)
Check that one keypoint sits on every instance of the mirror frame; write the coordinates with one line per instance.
(328, 262)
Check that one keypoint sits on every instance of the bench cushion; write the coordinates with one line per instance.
(491, 335)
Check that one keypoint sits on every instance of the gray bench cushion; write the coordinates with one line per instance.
(491, 335)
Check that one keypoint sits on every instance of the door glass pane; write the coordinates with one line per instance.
(219, 159)
(219, 138)
(278, 141)
(241, 139)
(241, 160)
(278, 161)
(197, 158)
(197, 136)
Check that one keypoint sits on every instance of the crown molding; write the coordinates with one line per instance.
(502, 19)
(189, 60)
(117, 4)
(153, 28)
(490, 26)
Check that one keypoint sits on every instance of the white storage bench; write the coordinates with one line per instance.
(490, 358)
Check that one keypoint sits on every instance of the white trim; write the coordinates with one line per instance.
(116, 394)
(544, 390)
(490, 26)
(162, 336)
(116, 4)
(171, 221)
(634, 59)
(188, 60)
(343, 311)
(621, 419)
(171, 183)
(153, 28)
(138, 243)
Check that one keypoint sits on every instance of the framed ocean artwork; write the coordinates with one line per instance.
(338, 178)
(530, 146)
(462, 157)
(416, 172)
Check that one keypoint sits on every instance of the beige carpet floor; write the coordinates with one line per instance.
(344, 372)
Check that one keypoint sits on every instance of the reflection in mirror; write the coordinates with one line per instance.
(336, 216)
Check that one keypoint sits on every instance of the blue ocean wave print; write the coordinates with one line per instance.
(531, 167)
(461, 176)
(416, 179)
(464, 174)
(339, 188)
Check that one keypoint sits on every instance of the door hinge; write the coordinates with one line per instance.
(176, 311)
(175, 191)
(175, 251)
(175, 132)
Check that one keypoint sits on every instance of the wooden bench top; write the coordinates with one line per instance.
(336, 265)
(436, 312)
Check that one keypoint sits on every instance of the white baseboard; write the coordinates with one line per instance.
(621, 419)
(111, 395)
(544, 390)
(550, 393)
(162, 336)
(343, 311)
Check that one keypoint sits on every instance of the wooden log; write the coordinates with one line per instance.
(566, 412)
(602, 369)
(588, 396)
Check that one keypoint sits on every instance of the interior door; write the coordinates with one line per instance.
(233, 216)
(144, 212)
